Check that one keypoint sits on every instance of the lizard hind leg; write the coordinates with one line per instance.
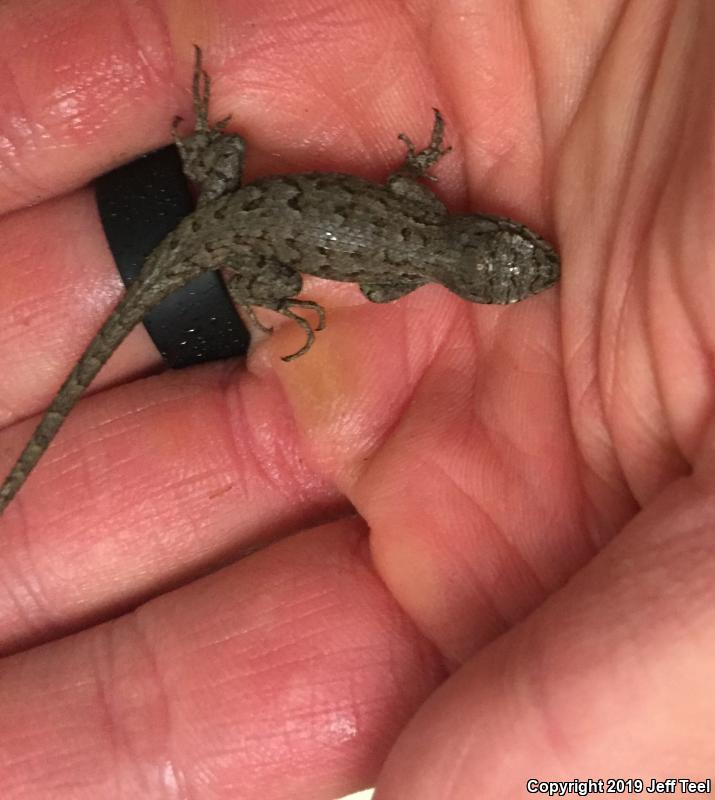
(254, 319)
(212, 159)
(285, 309)
(271, 284)
(319, 310)
(201, 95)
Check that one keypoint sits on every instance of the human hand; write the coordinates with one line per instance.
(468, 438)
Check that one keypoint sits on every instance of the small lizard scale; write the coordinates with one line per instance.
(388, 238)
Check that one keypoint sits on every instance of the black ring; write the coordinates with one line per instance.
(139, 204)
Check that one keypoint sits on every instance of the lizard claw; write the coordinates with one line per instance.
(222, 123)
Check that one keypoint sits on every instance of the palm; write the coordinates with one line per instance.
(491, 452)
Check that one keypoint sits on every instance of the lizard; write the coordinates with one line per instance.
(389, 238)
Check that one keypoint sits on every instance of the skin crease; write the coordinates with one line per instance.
(537, 481)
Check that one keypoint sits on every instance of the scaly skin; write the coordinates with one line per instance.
(390, 239)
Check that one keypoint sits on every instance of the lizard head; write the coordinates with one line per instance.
(498, 261)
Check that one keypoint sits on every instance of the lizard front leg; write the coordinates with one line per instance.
(212, 159)
(404, 181)
(417, 163)
(392, 290)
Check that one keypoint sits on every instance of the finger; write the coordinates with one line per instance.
(123, 507)
(58, 283)
(342, 143)
(611, 678)
(286, 675)
(102, 97)
(146, 486)
(73, 105)
(72, 111)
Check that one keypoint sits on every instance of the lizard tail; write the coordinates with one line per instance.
(139, 297)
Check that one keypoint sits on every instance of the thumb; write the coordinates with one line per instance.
(612, 677)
